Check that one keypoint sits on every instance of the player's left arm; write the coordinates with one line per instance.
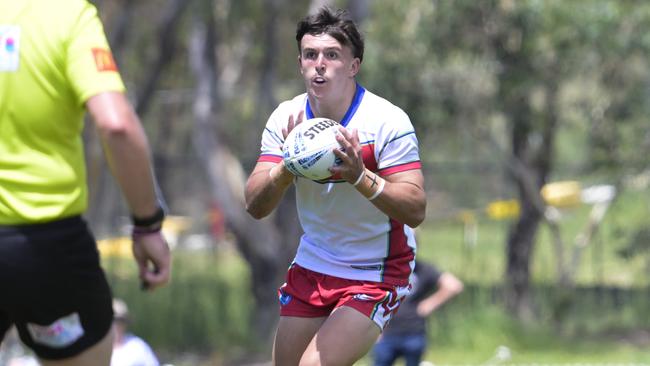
(402, 198)
(400, 195)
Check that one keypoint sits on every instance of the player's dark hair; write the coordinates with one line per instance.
(337, 24)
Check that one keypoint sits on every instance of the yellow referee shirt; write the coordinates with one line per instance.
(53, 57)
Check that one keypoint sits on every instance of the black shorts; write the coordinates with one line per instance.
(53, 288)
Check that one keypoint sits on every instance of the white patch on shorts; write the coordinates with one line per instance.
(62, 333)
(386, 308)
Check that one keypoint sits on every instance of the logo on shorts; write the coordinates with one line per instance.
(62, 333)
(284, 298)
(363, 297)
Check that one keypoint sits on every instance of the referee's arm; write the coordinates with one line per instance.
(126, 149)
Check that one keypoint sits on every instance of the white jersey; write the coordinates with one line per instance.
(345, 235)
(133, 352)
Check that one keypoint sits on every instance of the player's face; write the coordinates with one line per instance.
(326, 66)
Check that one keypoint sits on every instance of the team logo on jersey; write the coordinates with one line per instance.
(9, 48)
(104, 60)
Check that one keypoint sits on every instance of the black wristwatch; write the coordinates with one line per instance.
(153, 222)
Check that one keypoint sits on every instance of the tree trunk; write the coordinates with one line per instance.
(166, 44)
(533, 166)
(266, 245)
(315, 5)
(521, 239)
(104, 195)
(358, 10)
(265, 97)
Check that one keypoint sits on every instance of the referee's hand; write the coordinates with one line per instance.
(153, 257)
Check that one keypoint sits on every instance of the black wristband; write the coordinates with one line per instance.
(156, 218)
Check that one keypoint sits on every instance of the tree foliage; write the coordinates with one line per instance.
(508, 77)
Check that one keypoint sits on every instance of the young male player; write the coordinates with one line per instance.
(354, 261)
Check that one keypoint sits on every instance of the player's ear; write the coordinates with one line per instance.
(300, 63)
(354, 67)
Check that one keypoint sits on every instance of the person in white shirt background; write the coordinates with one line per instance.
(129, 349)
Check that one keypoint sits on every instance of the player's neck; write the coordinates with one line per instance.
(336, 106)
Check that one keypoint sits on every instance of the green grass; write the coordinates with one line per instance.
(482, 262)
(466, 338)
(475, 336)
(471, 330)
(205, 310)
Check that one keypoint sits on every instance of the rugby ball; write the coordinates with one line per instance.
(308, 149)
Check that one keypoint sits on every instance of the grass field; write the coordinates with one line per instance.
(482, 262)
(208, 304)
(475, 335)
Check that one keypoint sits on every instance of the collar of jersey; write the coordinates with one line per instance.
(358, 95)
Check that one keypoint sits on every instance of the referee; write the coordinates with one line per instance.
(56, 64)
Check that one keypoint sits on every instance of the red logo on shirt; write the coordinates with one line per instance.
(104, 60)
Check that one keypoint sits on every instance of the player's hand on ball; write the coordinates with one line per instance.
(280, 170)
(351, 166)
(292, 123)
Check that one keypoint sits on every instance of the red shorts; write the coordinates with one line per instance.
(310, 294)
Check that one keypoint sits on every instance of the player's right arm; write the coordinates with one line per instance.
(269, 180)
(265, 188)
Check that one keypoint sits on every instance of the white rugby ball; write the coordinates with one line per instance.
(308, 149)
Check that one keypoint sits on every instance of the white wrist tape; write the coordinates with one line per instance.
(382, 182)
(363, 174)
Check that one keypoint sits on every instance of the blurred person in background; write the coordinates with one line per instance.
(56, 64)
(406, 334)
(13, 353)
(128, 349)
(357, 253)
